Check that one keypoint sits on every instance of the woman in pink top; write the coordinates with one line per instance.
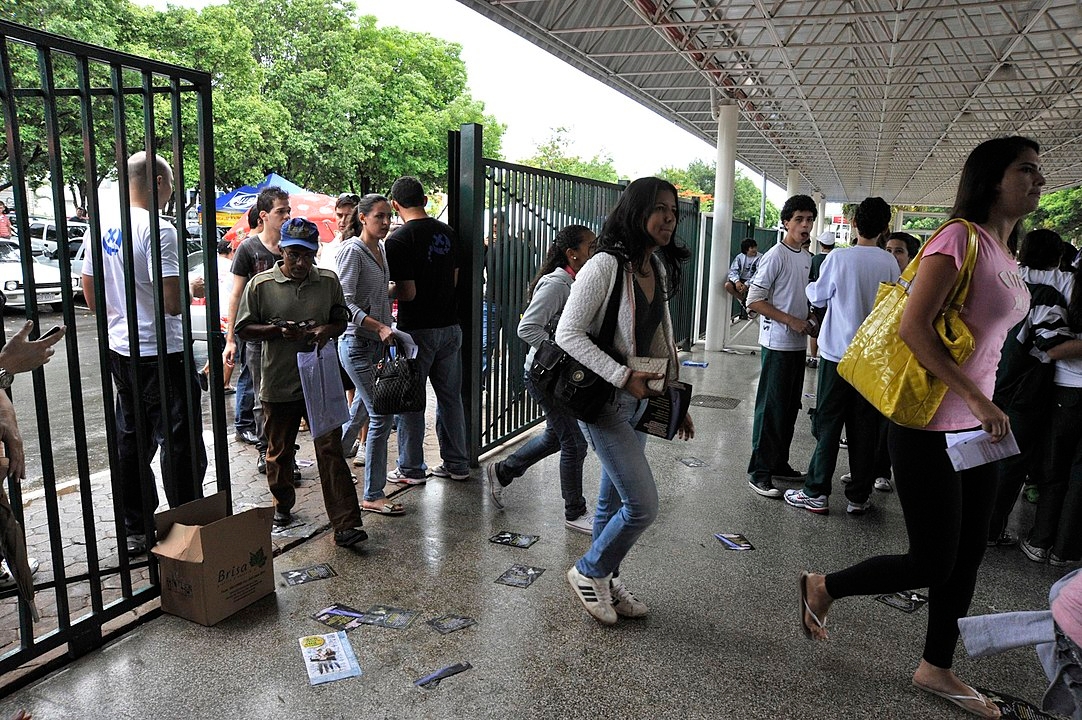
(947, 512)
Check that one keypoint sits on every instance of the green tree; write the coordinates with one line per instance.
(1061, 211)
(554, 155)
(697, 180)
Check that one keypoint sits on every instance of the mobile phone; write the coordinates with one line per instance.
(50, 332)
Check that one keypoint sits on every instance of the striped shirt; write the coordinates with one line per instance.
(1048, 321)
(364, 282)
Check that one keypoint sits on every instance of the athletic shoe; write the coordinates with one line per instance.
(820, 504)
(1034, 553)
(137, 544)
(1053, 560)
(623, 602)
(349, 537)
(7, 580)
(594, 595)
(261, 463)
(812, 362)
(282, 518)
(492, 481)
(248, 437)
(442, 472)
(397, 476)
(883, 485)
(583, 523)
(764, 488)
(843, 444)
(855, 508)
(847, 478)
(1005, 539)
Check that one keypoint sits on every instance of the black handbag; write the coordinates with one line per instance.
(400, 387)
(568, 385)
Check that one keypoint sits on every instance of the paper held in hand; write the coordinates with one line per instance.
(665, 413)
(975, 447)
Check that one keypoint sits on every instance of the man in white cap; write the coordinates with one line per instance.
(826, 244)
(289, 308)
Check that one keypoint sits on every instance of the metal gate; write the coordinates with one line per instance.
(508, 214)
(72, 114)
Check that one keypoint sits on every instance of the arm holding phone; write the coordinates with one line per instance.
(22, 355)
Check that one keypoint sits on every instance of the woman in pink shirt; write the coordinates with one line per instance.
(947, 512)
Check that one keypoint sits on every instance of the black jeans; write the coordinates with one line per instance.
(183, 458)
(946, 518)
(1059, 505)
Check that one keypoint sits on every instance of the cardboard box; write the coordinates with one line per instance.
(212, 563)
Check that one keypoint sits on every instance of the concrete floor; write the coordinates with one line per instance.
(722, 639)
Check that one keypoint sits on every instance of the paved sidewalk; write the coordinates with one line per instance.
(722, 639)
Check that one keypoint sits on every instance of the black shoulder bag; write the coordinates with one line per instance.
(566, 384)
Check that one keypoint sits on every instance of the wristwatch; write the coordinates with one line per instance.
(6, 379)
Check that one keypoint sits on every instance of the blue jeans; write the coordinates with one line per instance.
(359, 357)
(562, 433)
(244, 411)
(627, 498)
(440, 359)
(359, 410)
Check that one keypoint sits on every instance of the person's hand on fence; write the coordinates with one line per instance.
(22, 355)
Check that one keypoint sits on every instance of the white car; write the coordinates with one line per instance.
(43, 236)
(47, 279)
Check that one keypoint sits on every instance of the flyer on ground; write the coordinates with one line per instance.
(328, 657)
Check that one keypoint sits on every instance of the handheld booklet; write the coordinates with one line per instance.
(665, 412)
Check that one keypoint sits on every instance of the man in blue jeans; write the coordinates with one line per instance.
(423, 257)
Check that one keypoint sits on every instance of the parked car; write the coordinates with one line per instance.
(43, 236)
(47, 280)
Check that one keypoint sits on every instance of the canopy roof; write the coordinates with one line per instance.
(863, 97)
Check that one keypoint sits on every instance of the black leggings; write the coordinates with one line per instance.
(946, 518)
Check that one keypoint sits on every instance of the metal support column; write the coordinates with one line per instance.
(717, 304)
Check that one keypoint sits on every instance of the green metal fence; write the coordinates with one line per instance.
(508, 214)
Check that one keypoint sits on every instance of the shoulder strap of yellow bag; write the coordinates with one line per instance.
(960, 291)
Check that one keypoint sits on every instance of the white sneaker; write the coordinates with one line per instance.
(495, 490)
(623, 602)
(396, 476)
(855, 508)
(847, 478)
(594, 595)
(7, 580)
(583, 523)
(883, 485)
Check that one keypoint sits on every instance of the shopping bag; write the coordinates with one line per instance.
(324, 394)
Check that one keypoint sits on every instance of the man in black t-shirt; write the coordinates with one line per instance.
(423, 258)
(256, 254)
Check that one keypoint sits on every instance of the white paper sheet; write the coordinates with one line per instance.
(971, 449)
(405, 341)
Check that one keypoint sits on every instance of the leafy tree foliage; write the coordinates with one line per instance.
(697, 180)
(305, 88)
(1061, 211)
(554, 154)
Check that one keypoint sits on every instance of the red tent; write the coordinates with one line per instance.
(313, 206)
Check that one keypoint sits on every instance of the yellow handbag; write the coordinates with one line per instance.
(882, 368)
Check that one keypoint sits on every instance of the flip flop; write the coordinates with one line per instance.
(388, 508)
(961, 700)
(804, 607)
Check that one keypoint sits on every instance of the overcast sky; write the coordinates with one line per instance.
(532, 93)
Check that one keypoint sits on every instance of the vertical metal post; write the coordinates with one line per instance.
(470, 220)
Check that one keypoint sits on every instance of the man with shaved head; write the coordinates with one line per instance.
(135, 363)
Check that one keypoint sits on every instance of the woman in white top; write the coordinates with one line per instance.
(637, 251)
